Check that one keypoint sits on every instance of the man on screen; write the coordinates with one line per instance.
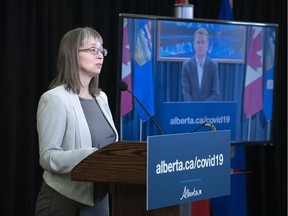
(200, 79)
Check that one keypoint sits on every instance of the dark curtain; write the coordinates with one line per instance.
(30, 31)
(267, 184)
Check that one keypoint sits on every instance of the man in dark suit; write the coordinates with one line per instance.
(200, 79)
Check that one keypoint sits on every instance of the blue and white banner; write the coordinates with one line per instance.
(182, 168)
(183, 117)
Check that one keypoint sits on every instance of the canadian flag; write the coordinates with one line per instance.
(126, 98)
(253, 94)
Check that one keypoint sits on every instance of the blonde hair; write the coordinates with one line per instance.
(201, 31)
(68, 63)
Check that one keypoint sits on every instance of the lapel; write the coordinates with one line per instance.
(205, 75)
(85, 136)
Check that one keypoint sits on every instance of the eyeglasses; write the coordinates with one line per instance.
(95, 50)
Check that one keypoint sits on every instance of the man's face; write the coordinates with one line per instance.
(200, 45)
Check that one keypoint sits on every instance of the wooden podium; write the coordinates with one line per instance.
(123, 164)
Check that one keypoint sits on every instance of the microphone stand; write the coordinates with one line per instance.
(153, 120)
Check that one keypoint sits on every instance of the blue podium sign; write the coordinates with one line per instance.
(187, 167)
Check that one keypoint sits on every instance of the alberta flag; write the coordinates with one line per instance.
(253, 96)
(143, 77)
(225, 12)
(126, 98)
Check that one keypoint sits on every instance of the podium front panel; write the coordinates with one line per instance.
(182, 168)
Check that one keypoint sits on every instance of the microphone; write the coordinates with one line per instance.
(212, 126)
(124, 87)
(207, 124)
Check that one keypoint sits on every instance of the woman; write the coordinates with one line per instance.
(74, 120)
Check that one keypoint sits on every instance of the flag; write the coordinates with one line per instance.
(225, 12)
(143, 77)
(126, 98)
(253, 98)
(269, 75)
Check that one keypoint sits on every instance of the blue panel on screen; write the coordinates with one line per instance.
(227, 42)
(181, 117)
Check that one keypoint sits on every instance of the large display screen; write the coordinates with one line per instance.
(157, 61)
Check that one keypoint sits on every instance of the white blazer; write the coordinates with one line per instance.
(65, 140)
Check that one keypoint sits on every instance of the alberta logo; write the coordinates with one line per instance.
(187, 193)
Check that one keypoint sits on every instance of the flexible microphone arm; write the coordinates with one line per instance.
(207, 124)
(212, 127)
(124, 87)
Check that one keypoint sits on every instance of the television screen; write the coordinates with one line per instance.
(187, 75)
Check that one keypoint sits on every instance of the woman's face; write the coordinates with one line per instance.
(91, 58)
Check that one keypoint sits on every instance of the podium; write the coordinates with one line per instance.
(162, 173)
(124, 165)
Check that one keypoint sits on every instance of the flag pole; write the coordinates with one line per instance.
(121, 128)
(140, 130)
(268, 129)
(184, 10)
(249, 129)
